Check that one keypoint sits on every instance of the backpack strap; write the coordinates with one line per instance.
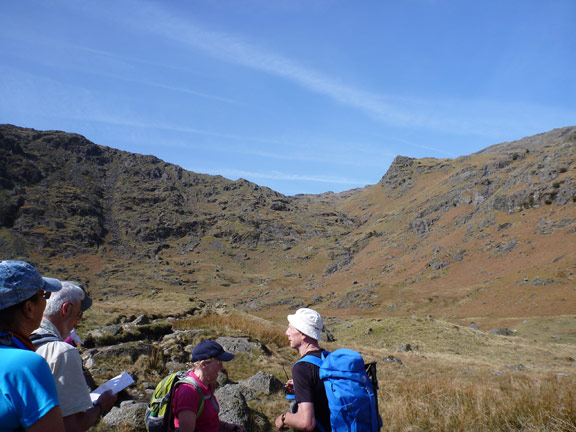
(192, 381)
(185, 379)
(317, 361)
(39, 339)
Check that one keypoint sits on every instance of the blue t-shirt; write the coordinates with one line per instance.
(27, 388)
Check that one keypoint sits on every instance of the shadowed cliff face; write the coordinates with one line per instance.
(489, 233)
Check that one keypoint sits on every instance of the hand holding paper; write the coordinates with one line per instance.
(116, 384)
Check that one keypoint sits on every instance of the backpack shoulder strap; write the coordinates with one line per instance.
(317, 361)
(39, 339)
(308, 358)
(202, 397)
(183, 378)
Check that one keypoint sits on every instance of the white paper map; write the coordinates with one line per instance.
(116, 384)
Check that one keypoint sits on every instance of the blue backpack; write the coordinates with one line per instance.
(351, 398)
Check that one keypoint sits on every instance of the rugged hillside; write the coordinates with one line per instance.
(490, 235)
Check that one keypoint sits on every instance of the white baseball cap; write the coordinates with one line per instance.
(307, 321)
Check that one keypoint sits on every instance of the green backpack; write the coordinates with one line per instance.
(159, 416)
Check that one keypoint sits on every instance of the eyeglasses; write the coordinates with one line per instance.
(45, 294)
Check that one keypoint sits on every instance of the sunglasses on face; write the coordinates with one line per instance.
(45, 294)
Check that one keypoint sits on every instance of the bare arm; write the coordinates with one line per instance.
(52, 422)
(187, 420)
(302, 420)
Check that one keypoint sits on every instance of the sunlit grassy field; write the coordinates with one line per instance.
(452, 379)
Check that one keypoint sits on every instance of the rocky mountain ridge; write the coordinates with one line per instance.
(472, 236)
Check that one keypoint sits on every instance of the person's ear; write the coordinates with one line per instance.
(28, 308)
(66, 309)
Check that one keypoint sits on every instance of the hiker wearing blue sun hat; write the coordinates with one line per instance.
(28, 397)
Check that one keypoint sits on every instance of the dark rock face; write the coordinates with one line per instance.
(86, 195)
(398, 178)
(131, 225)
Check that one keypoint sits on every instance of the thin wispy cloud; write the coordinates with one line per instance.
(130, 78)
(277, 175)
(447, 116)
(233, 49)
(28, 91)
(85, 106)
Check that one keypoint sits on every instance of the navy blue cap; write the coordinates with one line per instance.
(210, 349)
(19, 281)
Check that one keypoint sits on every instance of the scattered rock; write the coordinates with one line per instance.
(502, 331)
(263, 382)
(392, 359)
(133, 350)
(517, 368)
(142, 319)
(405, 348)
(237, 345)
(233, 406)
(327, 335)
(130, 415)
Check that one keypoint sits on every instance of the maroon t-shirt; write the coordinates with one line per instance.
(186, 397)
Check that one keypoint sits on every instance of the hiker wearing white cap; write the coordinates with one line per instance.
(304, 334)
(28, 398)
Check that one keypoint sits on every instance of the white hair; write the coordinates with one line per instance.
(70, 293)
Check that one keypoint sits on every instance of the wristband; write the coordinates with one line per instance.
(283, 418)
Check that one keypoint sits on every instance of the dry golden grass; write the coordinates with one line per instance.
(458, 379)
(505, 403)
(237, 322)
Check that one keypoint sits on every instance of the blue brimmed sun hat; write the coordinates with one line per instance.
(19, 281)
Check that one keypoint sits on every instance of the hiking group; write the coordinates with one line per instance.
(329, 391)
(43, 386)
(45, 390)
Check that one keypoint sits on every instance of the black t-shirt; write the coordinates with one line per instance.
(308, 387)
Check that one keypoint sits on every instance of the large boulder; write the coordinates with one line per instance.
(129, 415)
(262, 383)
(132, 350)
(237, 345)
(233, 406)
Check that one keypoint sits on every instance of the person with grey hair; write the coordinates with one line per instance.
(63, 311)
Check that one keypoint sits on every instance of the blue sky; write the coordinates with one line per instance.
(302, 96)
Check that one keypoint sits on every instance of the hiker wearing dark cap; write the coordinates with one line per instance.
(304, 334)
(63, 312)
(207, 358)
(28, 397)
